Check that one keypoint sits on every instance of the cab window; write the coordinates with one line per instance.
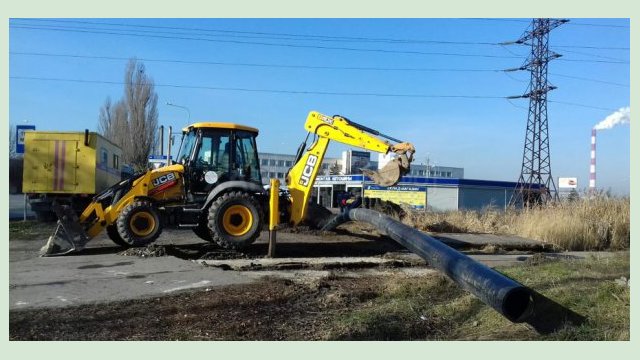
(214, 152)
(188, 142)
(246, 157)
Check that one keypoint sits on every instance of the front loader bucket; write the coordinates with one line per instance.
(391, 173)
(69, 235)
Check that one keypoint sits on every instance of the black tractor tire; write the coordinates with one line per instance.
(114, 235)
(235, 220)
(139, 224)
(202, 230)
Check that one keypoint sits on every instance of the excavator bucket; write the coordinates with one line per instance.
(391, 173)
(69, 235)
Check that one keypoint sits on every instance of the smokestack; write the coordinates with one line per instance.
(592, 168)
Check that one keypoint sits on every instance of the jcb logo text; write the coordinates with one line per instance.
(308, 170)
(163, 179)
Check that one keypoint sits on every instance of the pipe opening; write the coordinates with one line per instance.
(517, 304)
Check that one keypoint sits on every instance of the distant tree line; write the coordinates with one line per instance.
(132, 122)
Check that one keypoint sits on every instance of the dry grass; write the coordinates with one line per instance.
(589, 224)
(434, 308)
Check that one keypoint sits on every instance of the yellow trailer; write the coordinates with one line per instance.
(70, 167)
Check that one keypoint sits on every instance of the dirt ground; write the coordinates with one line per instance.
(273, 309)
(334, 306)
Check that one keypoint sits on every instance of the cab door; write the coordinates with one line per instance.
(245, 165)
(211, 162)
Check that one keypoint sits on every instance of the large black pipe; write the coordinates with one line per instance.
(508, 297)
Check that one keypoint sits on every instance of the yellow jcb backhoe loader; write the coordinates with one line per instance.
(215, 187)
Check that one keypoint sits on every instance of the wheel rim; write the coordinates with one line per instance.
(237, 220)
(142, 223)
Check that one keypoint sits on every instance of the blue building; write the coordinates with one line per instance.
(433, 194)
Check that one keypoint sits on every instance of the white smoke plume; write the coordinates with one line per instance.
(620, 117)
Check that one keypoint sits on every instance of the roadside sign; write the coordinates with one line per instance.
(159, 157)
(414, 196)
(20, 130)
(158, 160)
(567, 182)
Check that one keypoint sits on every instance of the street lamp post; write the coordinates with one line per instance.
(181, 107)
(170, 130)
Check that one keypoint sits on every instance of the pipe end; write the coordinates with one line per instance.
(517, 304)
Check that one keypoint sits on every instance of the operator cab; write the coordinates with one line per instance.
(213, 153)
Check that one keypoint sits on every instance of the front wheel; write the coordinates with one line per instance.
(139, 223)
(112, 232)
(235, 220)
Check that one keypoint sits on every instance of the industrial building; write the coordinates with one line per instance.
(275, 166)
(435, 188)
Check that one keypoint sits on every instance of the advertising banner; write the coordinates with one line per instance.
(414, 196)
(568, 183)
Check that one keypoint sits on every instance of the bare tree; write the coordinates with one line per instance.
(106, 120)
(12, 141)
(132, 122)
(141, 101)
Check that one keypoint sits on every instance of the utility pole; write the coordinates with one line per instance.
(535, 185)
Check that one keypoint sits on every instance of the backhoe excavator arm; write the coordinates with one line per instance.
(302, 175)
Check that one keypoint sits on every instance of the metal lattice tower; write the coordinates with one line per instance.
(536, 185)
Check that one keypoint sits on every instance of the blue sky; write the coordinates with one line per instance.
(316, 59)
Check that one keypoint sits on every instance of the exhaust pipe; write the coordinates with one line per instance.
(508, 297)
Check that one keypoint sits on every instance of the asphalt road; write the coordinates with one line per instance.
(101, 273)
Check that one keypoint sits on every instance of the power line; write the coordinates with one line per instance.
(588, 79)
(298, 45)
(265, 34)
(297, 92)
(572, 23)
(267, 44)
(277, 91)
(594, 55)
(581, 105)
(255, 64)
(355, 68)
(591, 47)
(289, 36)
(594, 61)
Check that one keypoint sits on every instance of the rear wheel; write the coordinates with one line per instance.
(139, 223)
(112, 232)
(235, 220)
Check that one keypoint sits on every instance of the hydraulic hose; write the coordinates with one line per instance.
(510, 298)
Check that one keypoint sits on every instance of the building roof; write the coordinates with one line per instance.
(221, 125)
